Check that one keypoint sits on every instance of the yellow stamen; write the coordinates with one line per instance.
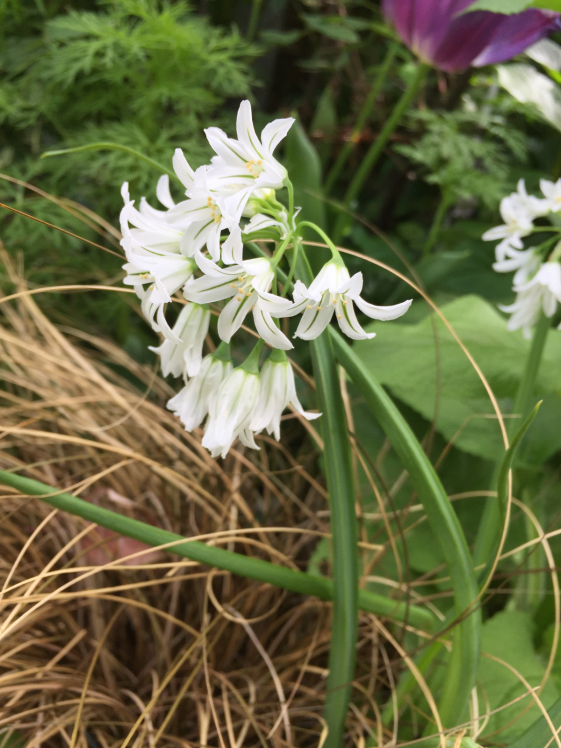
(248, 293)
(319, 309)
(339, 316)
(308, 306)
(233, 285)
(238, 298)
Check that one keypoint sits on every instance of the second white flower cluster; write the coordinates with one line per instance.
(537, 278)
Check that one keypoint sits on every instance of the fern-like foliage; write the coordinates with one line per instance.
(147, 74)
(468, 153)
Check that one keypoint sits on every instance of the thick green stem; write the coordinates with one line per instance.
(375, 150)
(490, 528)
(338, 472)
(436, 224)
(253, 568)
(365, 113)
(462, 667)
(254, 20)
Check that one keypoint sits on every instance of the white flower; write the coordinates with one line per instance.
(246, 164)
(231, 412)
(204, 215)
(276, 392)
(542, 292)
(525, 262)
(186, 356)
(333, 290)
(191, 404)
(518, 212)
(552, 192)
(247, 285)
(156, 254)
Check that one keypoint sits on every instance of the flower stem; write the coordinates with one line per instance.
(446, 528)
(365, 112)
(290, 188)
(489, 528)
(235, 563)
(251, 364)
(339, 475)
(375, 150)
(334, 251)
(436, 224)
(254, 20)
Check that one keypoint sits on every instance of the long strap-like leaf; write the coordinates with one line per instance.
(462, 669)
(253, 568)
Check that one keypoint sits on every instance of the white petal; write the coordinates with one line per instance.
(348, 322)
(268, 329)
(246, 131)
(163, 193)
(382, 312)
(232, 316)
(315, 320)
(274, 132)
(208, 289)
(182, 169)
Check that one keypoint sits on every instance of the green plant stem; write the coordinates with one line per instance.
(112, 147)
(375, 150)
(363, 116)
(337, 466)
(462, 669)
(254, 20)
(262, 571)
(436, 225)
(490, 527)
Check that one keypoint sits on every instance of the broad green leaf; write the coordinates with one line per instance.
(501, 6)
(334, 27)
(304, 166)
(404, 358)
(508, 636)
(547, 4)
(540, 732)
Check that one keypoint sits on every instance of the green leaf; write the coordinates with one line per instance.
(304, 166)
(508, 636)
(112, 147)
(447, 532)
(344, 529)
(547, 5)
(507, 7)
(464, 408)
(334, 27)
(252, 568)
(540, 732)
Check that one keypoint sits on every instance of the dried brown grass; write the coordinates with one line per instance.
(153, 650)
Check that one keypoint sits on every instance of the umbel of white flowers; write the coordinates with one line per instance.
(537, 272)
(197, 247)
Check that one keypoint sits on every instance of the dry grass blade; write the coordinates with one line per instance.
(109, 646)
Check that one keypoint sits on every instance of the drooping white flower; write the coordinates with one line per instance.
(247, 164)
(191, 404)
(277, 391)
(231, 412)
(334, 291)
(552, 193)
(526, 263)
(247, 285)
(185, 357)
(157, 254)
(540, 293)
(518, 213)
(204, 215)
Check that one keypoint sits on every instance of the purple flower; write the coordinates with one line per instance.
(441, 34)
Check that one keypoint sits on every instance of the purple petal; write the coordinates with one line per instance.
(440, 33)
(517, 33)
(468, 35)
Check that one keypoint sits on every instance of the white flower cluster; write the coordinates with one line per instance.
(197, 247)
(537, 278)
